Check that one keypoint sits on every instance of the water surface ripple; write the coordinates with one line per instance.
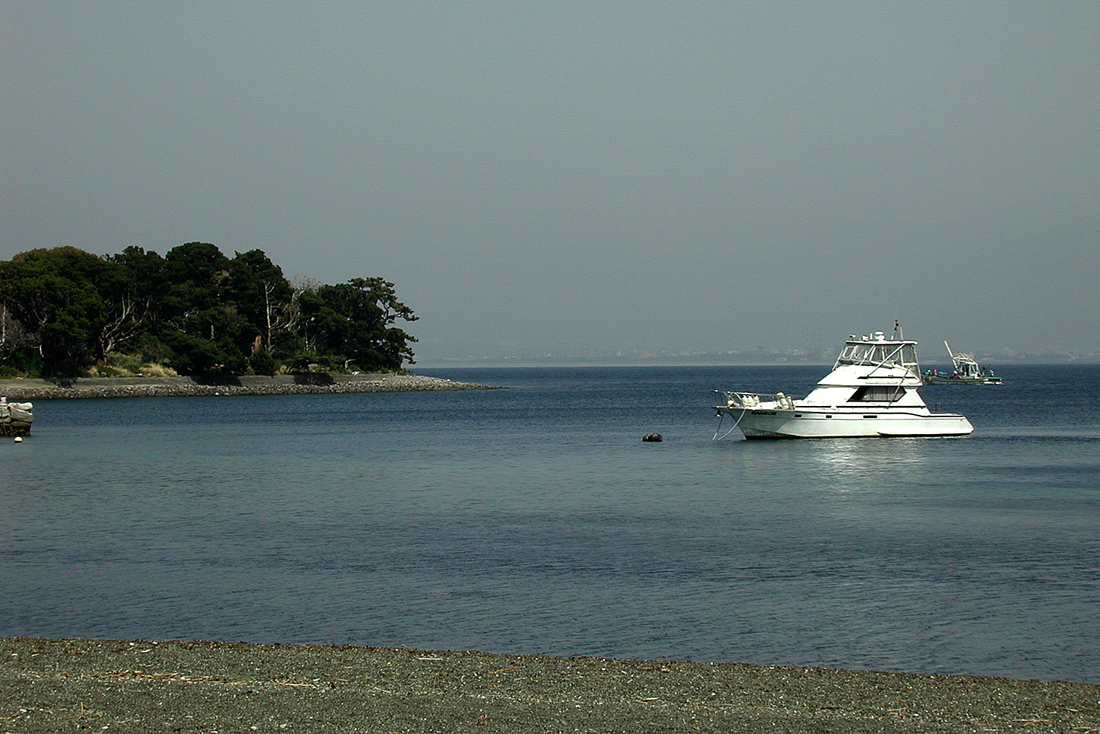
(534, 519)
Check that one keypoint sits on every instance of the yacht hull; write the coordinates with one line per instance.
(805, 424)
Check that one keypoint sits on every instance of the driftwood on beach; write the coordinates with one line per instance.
(310, 383)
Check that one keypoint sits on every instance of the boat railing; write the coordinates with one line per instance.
(738, 400)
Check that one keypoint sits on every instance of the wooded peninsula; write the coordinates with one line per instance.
(65, 312)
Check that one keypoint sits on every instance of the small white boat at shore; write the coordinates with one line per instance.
(15, 418)
(871, 391)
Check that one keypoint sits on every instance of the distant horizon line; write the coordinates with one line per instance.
(712, 361)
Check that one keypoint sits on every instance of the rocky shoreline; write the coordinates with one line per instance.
(306, 384)
(51, 685)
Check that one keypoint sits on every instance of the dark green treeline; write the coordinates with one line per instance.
(64, 311)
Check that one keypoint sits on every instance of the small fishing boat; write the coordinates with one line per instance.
(871, 391)
(966, 372)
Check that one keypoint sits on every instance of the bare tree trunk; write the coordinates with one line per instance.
(267, 315)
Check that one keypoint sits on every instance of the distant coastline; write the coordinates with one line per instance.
(823, 358)
(305, 384)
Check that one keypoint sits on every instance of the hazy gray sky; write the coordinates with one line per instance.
(557, 177)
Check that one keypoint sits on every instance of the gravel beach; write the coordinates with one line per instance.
(57, 685)
(159, 387)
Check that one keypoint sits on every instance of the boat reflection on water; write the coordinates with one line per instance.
(861, 462)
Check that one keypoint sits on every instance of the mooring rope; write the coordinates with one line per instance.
(721, 417)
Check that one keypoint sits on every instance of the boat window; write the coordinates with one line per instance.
(886, 355)
(869, 394)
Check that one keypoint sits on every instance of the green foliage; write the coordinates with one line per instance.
(130, 365)
(65, 311)
(57, 296)
(354, 321)
(262, 363)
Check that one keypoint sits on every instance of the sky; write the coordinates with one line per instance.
(578, 178)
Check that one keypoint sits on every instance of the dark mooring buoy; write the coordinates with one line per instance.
(652, 437)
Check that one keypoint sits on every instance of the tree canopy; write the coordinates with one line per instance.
(63, 311)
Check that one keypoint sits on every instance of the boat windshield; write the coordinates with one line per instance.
(880, 354)
(965, 366)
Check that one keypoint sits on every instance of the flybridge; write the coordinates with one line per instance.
(877, 351)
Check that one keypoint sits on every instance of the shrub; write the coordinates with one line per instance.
(262, 363)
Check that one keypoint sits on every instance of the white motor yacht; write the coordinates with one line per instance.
(871, 391)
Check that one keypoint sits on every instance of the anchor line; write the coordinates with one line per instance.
(721, 417)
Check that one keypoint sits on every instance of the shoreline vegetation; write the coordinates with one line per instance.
(49, 685)
(65, 312)
(300, 384)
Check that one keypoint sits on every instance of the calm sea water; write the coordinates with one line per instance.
(534, 519)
